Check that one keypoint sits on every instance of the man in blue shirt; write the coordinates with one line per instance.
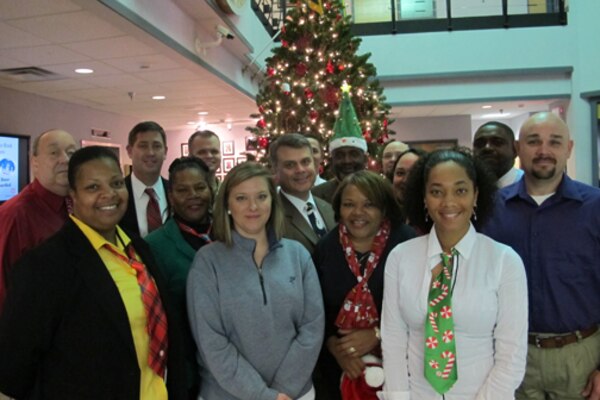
(553, 222)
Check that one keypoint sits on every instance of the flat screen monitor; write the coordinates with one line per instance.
(14, 164)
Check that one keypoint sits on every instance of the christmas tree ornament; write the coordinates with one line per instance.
(341, 67)
(263, 142)
(367, 135)
(301, 69)
(270, 71)
(261, 123)
(308, 93)
(329, 68)
(285, 87)
(313, 114)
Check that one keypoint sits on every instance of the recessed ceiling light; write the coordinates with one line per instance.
(158, 97)
(192, 122)
(203, 113)
(496, 115)
(84, 71)
(486, 107)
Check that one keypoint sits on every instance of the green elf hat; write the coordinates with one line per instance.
(346, 130)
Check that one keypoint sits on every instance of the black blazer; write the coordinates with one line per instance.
(64, 330)
(129, 222)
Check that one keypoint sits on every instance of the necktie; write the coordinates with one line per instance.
(156, 320)
(440, 346)
(310, 211)
(152, 211)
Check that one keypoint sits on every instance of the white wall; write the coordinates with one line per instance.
(434, 128)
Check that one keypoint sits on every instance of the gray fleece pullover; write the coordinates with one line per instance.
(258, 333)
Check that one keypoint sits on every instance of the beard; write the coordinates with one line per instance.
(542, 175)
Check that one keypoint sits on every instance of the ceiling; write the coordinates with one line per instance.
(130, 67)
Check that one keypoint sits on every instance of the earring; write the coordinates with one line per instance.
(426, 214)
(229, 212)
(475, 212)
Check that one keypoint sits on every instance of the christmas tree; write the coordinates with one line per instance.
(301, 91)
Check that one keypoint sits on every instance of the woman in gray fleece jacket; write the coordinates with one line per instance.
(254, 300)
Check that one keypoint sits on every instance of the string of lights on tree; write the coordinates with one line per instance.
(301, 91)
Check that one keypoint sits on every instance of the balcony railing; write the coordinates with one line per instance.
(379, 17)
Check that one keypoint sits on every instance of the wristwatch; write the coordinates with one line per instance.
(377, 333)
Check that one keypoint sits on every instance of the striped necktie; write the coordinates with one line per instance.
(152, 211)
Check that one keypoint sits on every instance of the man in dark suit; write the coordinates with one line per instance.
(147, 148)
(308, 218)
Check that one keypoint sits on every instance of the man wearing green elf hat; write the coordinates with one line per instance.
(347, 147)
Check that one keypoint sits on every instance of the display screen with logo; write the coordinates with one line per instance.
(14, 164)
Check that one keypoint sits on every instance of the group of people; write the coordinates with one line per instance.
(428, 283)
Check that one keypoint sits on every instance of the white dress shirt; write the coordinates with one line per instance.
(489, 304)
(141, 198)
(301, 207)
(512, 176)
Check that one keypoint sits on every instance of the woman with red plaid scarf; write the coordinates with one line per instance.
(350, 262)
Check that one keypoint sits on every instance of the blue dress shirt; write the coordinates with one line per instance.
(559, 242)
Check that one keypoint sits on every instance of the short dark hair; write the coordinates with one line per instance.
(293, 140)
(507, 129)
(183, 163)
(146, 126)
(205, 134)
(85, 155)
(414, 194)
(375, 188)
(411, 150)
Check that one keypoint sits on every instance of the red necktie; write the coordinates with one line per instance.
(152, 211)
(156, 320)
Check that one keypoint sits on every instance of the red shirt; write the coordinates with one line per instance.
(26, 220)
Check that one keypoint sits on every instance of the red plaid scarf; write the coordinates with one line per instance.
(156, 319)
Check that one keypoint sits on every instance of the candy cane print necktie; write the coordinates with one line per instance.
(440, 346)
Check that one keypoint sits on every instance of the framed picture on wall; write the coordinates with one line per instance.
(251, 143)
(228, 164)
(185, 151)
(228, 148)
(431, 145)
(115, 148)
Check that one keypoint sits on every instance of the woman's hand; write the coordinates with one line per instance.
(357, 342)
(349, 363)
(281, 396)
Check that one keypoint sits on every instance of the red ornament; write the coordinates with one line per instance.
(261, 123)
(309, 93)
(261, 109)
(385, 123)
(338, 17)
(327, 6)
(301, 69)
(263, 142)
(270, 71)
(341, 67)
(283, 29)
(330, 95)
(313, 114)
(302, 43)
(329, 68)
(367, 135)
(381, 139)
(284, 43)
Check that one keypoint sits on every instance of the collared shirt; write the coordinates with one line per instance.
(26, 220)
(141, 201)
(301, 207)
(152, 387)
(319, 180)
(559, 242)
(489, 306)
(513, 175)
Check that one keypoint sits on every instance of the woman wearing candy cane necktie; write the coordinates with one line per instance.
(454, 322)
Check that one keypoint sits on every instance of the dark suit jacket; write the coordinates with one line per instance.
(326, 190)
(296, 226)
(129, 221)
(64, 331)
